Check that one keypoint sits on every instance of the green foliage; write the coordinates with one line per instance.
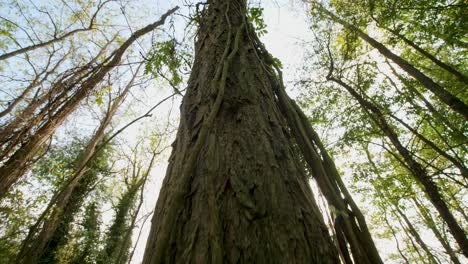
(59, 163)
(255, 16)
(64, 238)
(99, 97)
(6, 33)
(50, 174)
(87, 247)
(277, 62)
(374, 168)
(348, 42)
(166, 60)
(117, 247)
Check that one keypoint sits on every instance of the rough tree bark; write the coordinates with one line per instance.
(235, 190)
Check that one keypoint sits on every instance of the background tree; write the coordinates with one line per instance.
(379, 92)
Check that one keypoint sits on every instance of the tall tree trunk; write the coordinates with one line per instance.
(460, 76)
(452, 101)
(117, 245)
(461, 167)
(419, 173)
(18, 163)
(60, 236)
(429, 221)
(235, 190)
(412, 94)
(412, 230)
(33, 252)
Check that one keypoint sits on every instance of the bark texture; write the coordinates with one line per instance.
(236, 190)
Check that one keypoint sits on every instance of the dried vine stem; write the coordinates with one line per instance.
(350, 224)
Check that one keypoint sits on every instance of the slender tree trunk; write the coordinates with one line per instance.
(392, 229)
(429, 221)
(421, 176)
(413, 94)
(460, 76)
(36, 250)
(412, 230)
(135, 245)
(461, 167)
(124, 255)
(117, 244)
(18, 163)
(410, 238)
(452, 101)
(235, 190)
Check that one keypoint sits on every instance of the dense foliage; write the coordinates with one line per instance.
(371, 101)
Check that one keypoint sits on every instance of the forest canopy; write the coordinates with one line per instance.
(276, 131)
